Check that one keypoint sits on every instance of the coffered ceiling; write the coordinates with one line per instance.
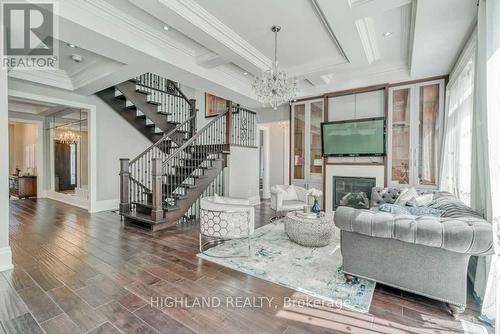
(219, 45)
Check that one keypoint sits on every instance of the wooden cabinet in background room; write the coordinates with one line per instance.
(414, 129)
(306, 160)
(22, 186)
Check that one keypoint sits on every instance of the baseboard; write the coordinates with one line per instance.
(67, 199)
(106, 205)
(5, 259)
(254, 200)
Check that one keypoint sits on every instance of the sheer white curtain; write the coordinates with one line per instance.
(456, 151)
(486, 147)
(470, 160)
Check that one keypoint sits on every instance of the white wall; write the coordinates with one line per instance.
(243, 173)
(21, 137)
(115, 139)
(279, 149)
(5, 252)
(269, 115)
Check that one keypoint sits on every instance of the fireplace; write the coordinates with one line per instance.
(342, 185)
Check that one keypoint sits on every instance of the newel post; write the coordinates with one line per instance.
(124, 185)
(192, 104)
(229, 123)
(156, 205)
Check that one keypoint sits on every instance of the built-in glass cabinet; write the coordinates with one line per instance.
(307, 162)
(414, 124)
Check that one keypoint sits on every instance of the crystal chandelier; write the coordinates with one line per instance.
(273, 87)
(68, 137)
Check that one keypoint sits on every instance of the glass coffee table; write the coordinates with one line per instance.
(310, 231)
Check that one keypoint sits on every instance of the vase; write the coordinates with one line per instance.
(315, 208)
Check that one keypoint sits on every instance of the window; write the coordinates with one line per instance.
(457, 154)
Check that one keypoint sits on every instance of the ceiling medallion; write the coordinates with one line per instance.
(273, 87)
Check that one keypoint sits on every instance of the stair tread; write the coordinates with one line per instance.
(149, 206)
(186, 176)
(142, 217)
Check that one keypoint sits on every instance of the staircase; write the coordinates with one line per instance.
(161, 186)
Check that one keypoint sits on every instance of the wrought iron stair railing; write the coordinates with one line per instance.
(244, 127)
(140, 167)
(165, 174)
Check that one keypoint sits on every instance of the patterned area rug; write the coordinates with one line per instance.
(314, 271)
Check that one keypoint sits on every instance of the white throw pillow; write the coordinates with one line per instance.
(406, 195)
(289, 193)
(423, 200)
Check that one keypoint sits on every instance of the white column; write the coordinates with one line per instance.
(5, 253)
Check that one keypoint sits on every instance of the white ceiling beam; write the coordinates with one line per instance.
(320, 79)
(361, 9)
(200, 25)
(366, 32)
(211, 60)
(96, 26)
(430, 52)
(340, 18)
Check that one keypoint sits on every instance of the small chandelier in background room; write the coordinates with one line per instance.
(273, 87)
(68, 137)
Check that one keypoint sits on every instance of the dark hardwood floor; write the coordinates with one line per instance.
(81, 273)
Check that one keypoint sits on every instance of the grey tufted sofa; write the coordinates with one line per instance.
(425, 255)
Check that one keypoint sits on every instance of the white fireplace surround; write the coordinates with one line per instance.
(376, 171)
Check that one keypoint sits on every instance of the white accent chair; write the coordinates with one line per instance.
(287, 198)
(223, 219)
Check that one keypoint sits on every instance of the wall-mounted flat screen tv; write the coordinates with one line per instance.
(360, 137)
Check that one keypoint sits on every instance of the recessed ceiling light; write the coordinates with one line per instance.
(71, 45)
(165, 28)
(245, 73)
(76, 58)
(386, 34)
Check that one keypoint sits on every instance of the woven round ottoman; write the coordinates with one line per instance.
(310, 232)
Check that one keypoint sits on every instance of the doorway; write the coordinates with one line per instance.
(23, 159)
(264, 163)
(65, 167)
(58, 161)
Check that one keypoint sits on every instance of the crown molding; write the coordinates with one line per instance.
(55, 78)
(126, 23)
(322, 67)
(368, 39)
(98, 71)
(203, 20)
